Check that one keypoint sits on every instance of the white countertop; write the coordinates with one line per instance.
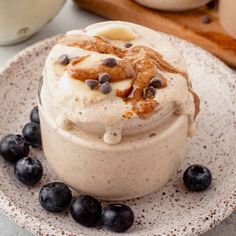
(71, 17)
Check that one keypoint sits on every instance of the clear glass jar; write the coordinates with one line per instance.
(141, 163)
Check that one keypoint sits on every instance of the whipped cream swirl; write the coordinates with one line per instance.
(127, 109)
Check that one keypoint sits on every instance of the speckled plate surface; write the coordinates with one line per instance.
(171, 210)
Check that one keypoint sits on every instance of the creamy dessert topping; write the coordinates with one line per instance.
(139, 63)
(113, 72)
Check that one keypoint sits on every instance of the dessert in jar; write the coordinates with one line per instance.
(116, 107)
(173, 5)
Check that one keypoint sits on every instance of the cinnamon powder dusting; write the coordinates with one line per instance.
(138, 64)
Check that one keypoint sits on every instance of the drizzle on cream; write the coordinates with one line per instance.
(97, 113)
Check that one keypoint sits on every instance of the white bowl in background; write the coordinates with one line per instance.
(227, 10)
(173, 5)
(19, 19)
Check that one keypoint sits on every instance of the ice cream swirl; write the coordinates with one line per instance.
(147, 79)
(139, 63)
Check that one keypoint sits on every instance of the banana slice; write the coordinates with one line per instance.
(114, 32)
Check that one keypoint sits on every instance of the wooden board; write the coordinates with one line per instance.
(185, 25)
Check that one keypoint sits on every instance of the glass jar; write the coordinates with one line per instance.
(141, 163)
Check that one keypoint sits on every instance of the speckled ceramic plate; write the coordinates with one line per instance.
(171, 210)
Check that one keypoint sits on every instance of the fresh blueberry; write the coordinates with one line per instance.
(28, 170)
(34, 115)
(117, 217)
(197, 178)
(32, 134)
(55, 197)
(13, 147)
(86, 210)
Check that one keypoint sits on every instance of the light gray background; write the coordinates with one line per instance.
(71, 17)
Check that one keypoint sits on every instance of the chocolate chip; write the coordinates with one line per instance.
(103, 78)
(110, 61)
(211, 4)
(91, 83)
(156, 82)
(128, 45)
(105, 88)
(63, 59)
(149, 92)
(206, 19)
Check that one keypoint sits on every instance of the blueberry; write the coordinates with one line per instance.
(13, 147)
(32, 134)
(197, 178)
(117, 217)
(86, 210)
(34, 115)
(55, 197)
(28, 170)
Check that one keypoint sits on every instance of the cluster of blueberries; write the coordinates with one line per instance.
(56, 196)
(15, 149)
(86, 210)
